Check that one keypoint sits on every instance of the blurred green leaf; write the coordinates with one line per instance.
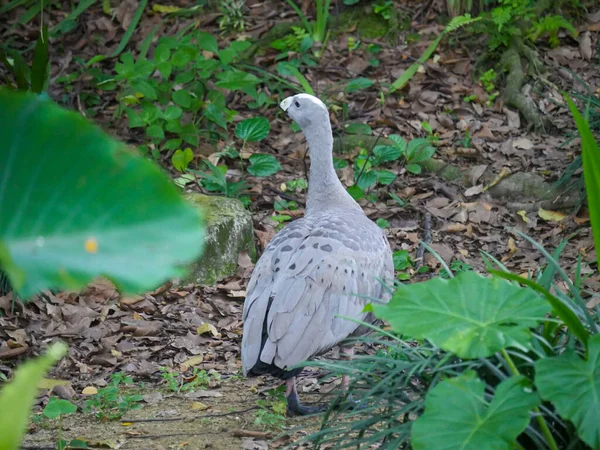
(19, 395)
(76, 205)
(458, 416)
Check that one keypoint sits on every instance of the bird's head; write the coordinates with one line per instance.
(306, 110)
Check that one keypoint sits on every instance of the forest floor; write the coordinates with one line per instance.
(186, 327)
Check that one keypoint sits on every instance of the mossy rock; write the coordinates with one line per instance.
(228, 231)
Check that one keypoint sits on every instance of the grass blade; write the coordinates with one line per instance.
(591, 170)
(131, 28)
(39, 66)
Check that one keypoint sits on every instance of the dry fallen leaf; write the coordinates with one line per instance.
(193, 361)
(89, 390)
(551, 216)
(207, 328)
(523, 215)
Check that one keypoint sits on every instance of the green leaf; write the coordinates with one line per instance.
(173, 112)
(358, 128)
(356, 193)
(207, 41)
(162, 53)
(57, 407)
(457, 415)
(182, 158)
(165, 69)
(263, 165)
(413, 168)
(402, 260)
(367, 179)
(252, 130)
(470, 315)
(155, 132)
(386, 153)
(398, 142)
(572, 385)
(385, 177)
(216, 115)
(590, 154)
(358, 84)
(172, 144)
(382, 223)
(236, 80)
(183, 98)
(181, 58)
(19, 395)
(69, 209)
(145, 88)
(419, 150)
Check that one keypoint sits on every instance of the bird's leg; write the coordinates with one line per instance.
(346, 353)
(294, 407)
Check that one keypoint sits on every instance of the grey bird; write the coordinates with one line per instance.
(329, 263)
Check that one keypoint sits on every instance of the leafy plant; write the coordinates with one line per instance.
(59, 408)
(511, 19)
(487, 79)
(34, 79)
(60, 231)
(216, 181)
(367, 171)
(114, 400)
(19, 395)
(179, 383)
(384, 9)
(487, 363)
(233, 15)
(271, 410)
(171, 96)
(317, 29)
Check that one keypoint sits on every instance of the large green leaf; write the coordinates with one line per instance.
(573, 386)
(76, 204)
(470, 315)
(457, 416)
(17, 397)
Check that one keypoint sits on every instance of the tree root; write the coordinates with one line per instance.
(512, 61)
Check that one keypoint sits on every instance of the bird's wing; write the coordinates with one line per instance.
(333, 267)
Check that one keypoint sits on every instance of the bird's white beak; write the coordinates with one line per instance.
(286, 103)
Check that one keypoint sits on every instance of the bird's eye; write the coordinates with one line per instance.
(297, 103)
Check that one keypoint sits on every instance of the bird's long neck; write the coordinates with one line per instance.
(324, 187)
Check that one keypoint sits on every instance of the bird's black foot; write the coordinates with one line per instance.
(295, 408)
